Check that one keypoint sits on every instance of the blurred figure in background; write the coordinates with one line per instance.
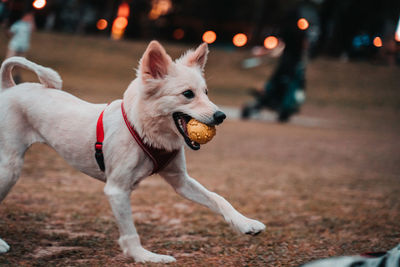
(20, 37)
(285, 91)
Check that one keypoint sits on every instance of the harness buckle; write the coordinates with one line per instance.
(99, 147)
(99, 155)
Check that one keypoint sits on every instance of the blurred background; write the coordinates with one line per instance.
(355, 29)
(326, 183)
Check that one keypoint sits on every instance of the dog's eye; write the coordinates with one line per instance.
(188, 94)
(206, 91)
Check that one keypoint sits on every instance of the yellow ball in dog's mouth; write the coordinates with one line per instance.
(200, 132)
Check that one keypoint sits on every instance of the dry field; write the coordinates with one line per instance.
(323, 190)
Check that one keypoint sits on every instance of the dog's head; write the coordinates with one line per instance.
(171, 93)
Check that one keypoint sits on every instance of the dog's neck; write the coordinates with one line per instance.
(154, 129)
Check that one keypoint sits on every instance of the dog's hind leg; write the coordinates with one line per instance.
(10, 168)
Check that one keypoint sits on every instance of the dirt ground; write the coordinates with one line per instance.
(324, 190)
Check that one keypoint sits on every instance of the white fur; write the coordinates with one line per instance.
(48, 77)
(32, 113)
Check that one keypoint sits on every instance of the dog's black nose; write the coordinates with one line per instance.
(219, 117)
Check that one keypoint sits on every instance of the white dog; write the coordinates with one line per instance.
(157, 105)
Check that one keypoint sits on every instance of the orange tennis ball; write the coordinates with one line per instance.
(200, 132)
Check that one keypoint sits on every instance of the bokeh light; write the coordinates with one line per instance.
(209, 37)
(178, 34)
(123, 10)
(377, 42)
(271, 42)
(101, 24)
(120, 23)
(397, 33)
(39, 4)
(303, 24)
(118, 28)
(239, 39)
(159, 8)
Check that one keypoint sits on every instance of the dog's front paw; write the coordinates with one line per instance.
(4, 247)
(143, 255)
(250, 227)
(254, 227)
(131, 247)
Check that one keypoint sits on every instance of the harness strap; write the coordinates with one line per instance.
(160, 157)
(99, 144)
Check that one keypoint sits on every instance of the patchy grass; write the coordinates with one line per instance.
(321, 191)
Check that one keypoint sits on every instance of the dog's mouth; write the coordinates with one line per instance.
(181, 120)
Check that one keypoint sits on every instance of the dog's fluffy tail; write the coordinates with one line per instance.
(48, 77)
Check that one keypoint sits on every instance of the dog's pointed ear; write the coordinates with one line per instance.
(198, 57)
(155, 62)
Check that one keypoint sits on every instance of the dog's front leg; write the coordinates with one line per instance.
(189, 188)
(129, 239)
(193, 190)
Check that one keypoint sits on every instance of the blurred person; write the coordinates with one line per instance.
(20, 36)
(285, 91)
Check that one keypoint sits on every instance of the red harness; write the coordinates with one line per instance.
(159, 157)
